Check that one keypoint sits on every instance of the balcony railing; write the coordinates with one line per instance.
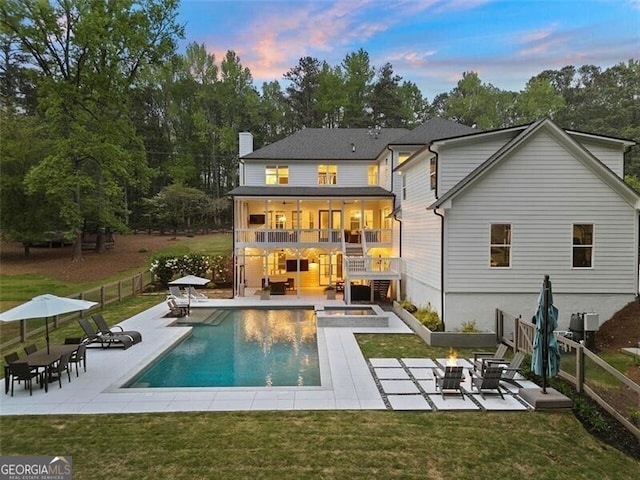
(372, 267)
(317, 237)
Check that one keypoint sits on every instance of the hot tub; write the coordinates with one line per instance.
(356, 316)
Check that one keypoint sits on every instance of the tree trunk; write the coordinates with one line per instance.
(77, 249)
(27, 248)
(101, 245)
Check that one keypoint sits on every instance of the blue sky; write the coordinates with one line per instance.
(430, 42)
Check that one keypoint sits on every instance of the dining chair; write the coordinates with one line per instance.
(61, 367)
(78, 357)
(29, 349)
(12, 357)
(20, 371)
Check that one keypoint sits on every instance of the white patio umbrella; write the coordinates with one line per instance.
(190, 280)
(45, 306)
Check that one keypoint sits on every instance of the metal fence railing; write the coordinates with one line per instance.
(21, 330)
(586, 371)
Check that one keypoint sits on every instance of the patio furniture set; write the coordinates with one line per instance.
(489, 369)
(51, 363)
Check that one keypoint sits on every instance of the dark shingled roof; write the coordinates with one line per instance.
(329, 144)
(280, 191)
(434, 129)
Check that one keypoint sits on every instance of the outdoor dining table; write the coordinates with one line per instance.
(42, 359)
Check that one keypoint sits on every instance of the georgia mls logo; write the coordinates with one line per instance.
(35, 468)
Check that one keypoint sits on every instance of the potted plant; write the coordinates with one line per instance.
(265, 294)
(330, 290)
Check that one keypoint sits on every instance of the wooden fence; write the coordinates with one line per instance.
(586, 371)
(104, 295)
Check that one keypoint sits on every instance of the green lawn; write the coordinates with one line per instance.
(316, 445)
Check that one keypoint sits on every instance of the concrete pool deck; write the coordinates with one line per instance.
(349, 382)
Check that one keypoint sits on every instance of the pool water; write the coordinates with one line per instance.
(241, 348)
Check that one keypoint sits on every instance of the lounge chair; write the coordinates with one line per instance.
(104, 329)
(450, 380)
(176, 293)
(105, 341)
(196, 295)
(510, 369)
(490, 380)
(20, 371)
(176, 310)
(479, 358)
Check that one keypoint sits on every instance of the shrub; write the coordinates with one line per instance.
(195, 264)
(408, 306)
(469, 327)
(221, 269)
(164, 267)
(429, 318)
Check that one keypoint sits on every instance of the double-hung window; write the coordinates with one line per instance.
(276, 175)
(327, 174)
(582, 246)
(500, 250)
(432, 173)
(372, 175)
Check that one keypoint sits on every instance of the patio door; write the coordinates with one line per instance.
(329, 222)
(329, 268)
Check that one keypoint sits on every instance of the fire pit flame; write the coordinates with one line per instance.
(452, 359)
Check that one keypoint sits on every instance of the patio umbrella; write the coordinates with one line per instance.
(45, 306)
(545, 358)
(190, 281)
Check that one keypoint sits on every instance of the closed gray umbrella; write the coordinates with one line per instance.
(45, 306)
(545, 358)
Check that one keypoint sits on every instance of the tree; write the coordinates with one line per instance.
(386, 100)
(358, 75)
(538, 100)
(330, 96)
(88, 54)
(302, 92)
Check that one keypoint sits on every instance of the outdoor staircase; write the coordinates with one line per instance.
(380, 288)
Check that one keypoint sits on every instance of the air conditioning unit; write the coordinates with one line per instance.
(591, 322)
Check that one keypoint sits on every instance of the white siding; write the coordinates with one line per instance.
(612, 157)
(541, 190)
(481, 308)
(420, 239)
(459, 159)
(305, 174)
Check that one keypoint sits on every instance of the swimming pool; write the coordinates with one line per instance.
(240, 348)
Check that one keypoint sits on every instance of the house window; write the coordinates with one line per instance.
(372, 175)
(276, 175)
(277, 263)
(404, 187)
(501, 245)
(277, 219)
(582, 245)
(432, 173)
(327, 174)
(402, 157)
(295, 223)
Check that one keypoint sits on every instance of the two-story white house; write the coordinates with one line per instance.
(467, 221)
(313, 210)
(486, 215)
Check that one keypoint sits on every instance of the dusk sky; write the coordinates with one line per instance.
(430, 42)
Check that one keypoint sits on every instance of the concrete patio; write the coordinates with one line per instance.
(349, 382)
